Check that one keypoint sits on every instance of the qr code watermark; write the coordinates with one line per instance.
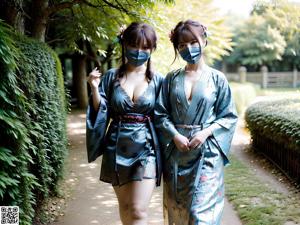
(9, 215)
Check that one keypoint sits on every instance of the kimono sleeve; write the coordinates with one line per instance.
(226, 116)
(162, 119)
(97, 121)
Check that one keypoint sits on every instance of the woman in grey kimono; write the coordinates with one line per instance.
(126, 96)
(195, 119)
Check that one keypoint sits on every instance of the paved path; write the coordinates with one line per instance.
(94, 202)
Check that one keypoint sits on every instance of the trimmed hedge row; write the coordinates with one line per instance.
(275, 130)
(32, 123)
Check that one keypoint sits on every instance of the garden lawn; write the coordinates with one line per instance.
(255, 202)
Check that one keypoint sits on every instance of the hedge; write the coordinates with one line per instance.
(275, 130)
(32, 123)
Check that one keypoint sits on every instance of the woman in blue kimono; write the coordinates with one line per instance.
(126, 96)
(195, 119)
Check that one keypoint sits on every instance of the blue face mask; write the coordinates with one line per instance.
(136, 57)
(191, 55)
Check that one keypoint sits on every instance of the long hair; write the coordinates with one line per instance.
(137, 35)
(186, 31)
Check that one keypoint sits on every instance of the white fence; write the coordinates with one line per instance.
(266, 79)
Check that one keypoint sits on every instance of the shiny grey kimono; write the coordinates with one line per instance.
(130, 149)
(193, 181)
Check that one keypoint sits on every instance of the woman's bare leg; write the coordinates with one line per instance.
(134, 199)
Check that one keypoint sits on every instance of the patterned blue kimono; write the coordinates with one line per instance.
(130, 148)
(193, 181)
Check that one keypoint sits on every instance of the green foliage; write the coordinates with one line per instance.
(243, 95)
(32, 123)
(16, 183)
(257, 43)
(284, 16)
(98, 25)
(270, 36)
(277, 120)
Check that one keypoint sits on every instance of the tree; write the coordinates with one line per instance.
(257, 43)
(285, 17)
(79, 27)
(270, 36)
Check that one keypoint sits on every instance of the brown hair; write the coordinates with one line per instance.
(138, 35)
(186, 31)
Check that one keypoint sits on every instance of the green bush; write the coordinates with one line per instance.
(278, 120)
(32, 123)
(243, 95)
(275, 131)
(16, 182)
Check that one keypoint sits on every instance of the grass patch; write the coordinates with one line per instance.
(256, 202)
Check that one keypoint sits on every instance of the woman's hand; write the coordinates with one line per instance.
(199, 138)
(94, 79)
(181, 142)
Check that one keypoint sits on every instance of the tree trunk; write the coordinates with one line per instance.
(79, 80)
(39, 19)
(8, 12)
(11, 13)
